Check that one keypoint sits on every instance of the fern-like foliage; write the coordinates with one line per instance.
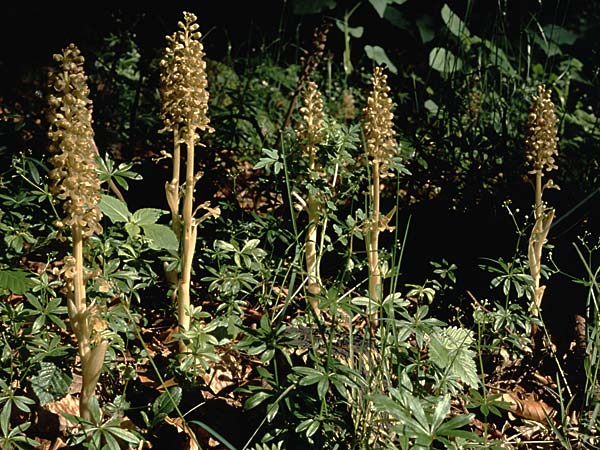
(450, 350)
(14, 281)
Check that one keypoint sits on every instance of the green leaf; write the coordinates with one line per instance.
(165, 403)
(111, 442)
(133, 230)
(559, 35)
(256, 399)
(449, 350)
(95, 411)
(431, 106)
(5, 418)
(250, 245)
(378, 55)
(304, 7)
(426, 27)
(50, 383)
(147, 216)
(355, 32)
(444, 61)
(161, 237)
(397, 18)
(124, 435)
(220, 245)
(15, 281)
(454, 23)
(380, 6)
(115, 209)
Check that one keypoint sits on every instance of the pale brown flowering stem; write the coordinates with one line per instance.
(184, 97)
(381, 149)
(541, 149)
(75, 181)
(373, 242)
(189, 243)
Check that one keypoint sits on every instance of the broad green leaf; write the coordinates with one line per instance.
(426, 27)
(454, 23)
(443, 60)
(114, 208)
(15, 281)
(559, 35)
(355, 32)
(431, 106)
(161, 237)
(133, 230)
(147, 216)
(397, 18)
(303, 7)
(378, 55)
(380, 6)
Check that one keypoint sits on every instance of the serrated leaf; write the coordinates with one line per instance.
(115, 209)
(443, 60)
(449, 349)
(147, 216)
(50, 383)
(378, 55)
(15, 281)
(161, 237)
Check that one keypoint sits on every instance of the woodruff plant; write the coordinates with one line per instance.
(541, 148)
(184, 106)
(75, 181)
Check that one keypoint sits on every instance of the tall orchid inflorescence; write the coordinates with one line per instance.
(184, 111)
(381, 149)
(541, 150)
(75, 181)
(311, 132)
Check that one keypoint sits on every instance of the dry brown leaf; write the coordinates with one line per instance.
(528, 408)
(67, 405)
(182, 427)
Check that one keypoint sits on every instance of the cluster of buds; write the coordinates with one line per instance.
(541, 142)
(348, 110)
(312, 128)
(378, 123)
(319, 44)
(74, 177)
(183, 80)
